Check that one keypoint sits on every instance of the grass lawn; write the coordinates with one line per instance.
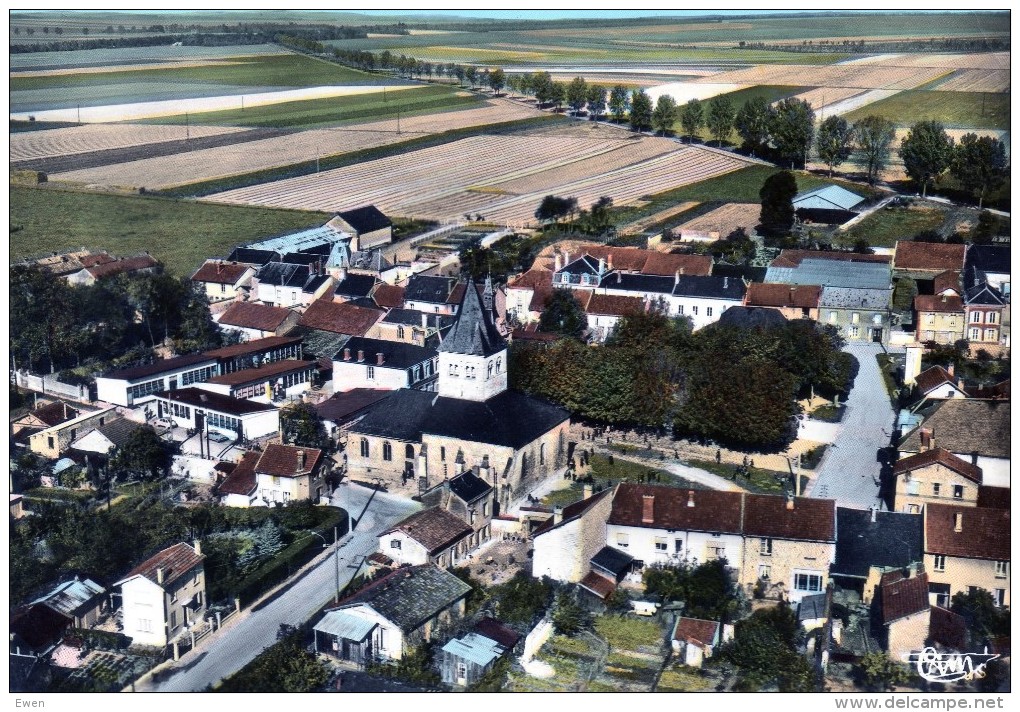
(884, 227)
(955, 109)
(679, 678)
(628, 632)
(619, 471)
(179, 233)
(285, 70)
(334, 111)
(758, 480)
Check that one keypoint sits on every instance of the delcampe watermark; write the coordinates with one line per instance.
(950, 667)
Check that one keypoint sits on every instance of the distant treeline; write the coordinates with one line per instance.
(200, 36)
(942, 44)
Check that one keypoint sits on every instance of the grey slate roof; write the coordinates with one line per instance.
(427, 288)
(983, 293)
(965, 426)
(836, 273)
(639, 283)
(582, 265)
(831, 197)
(709, 287)
(474, 332)
(468, 486)
(160, 366)
(119, 431)
(253, 256)
(811, 607)
(396, 354)
(752, 317)
(410, 596)
(510, 419)
(282, 274)
(855, 298)
(366, 219)
(612, 560)
(323, 344)
(412, 317)
(894, 539)
(985, 259)
(356, 285)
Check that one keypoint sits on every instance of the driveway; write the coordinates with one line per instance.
(849, 472)
(237, 644)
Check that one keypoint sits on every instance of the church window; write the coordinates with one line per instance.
(489, 375)
(387, 451)
(364, 447)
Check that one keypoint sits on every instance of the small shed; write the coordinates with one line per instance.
(464, 661)
(811, 612)
(345, 636)
(831, 205)
(695, 639)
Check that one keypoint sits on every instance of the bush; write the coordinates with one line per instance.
(101, 639)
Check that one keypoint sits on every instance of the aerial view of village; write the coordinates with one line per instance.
(510, 351)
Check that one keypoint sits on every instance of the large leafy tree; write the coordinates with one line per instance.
(665, 114)
(765, 648)
(577, 94)
(792, 130)
(691, 118)
(720, 118)
(873, 137)
(834, 142)
(980, 164)
(619, 102)
(927, 153)
(753, 123)
(497, 80)
(301, 425)
(564, 315)
(557, 94)
(144, 456)
(640, 110)
(286, 666)
(777, 196)
(541, 87)
(706, 588)
(596, 101)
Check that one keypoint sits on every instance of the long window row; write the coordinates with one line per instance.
(199, 375)
(216, 420)
(143, 389)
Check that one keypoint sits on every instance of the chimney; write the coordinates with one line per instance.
(557, 262)
(602, 266)
(789, 502)
(690, 498)
(347, 354)
(557, 515)
(951, 369)
(619, 277)
(943, 297)
(219, 267)
(424, 320)
(959, 384)
(974, 458)
(958, 525)
(379, 359)
(874, 513)
(725, 282)
(566, 258)
(159, 572)
(609, 261)
(586, 490)
(676, 278)
(301, 460)
(926, 439)
(198, 547)
(647, 508)
(361, 356)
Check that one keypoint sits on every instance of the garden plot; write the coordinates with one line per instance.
(101, 137)
(223, 161)
(719, 223)
(446, 181)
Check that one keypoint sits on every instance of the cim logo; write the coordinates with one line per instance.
(949, 667)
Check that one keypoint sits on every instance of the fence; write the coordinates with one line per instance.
(50, 385)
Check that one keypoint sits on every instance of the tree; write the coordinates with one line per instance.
(459, 72)
(764, 647)
(471, 74)
(753, 122)
(301, 425)
(577, 95)
(542, 86)
(873, 136)
(691, 118)
(619, 102)
(564, 315)
(777, 202)
(569, 617)
(984, 619)
(557, 94)
(665, 114)
(835, 141)
(553, 207)
(792, 130)
(144, 455)
(497, 80)
(598, 220)
(640, 110)
(880, 674)
(286, 666)
(720, 118)
(706, 589)
(596, 101)
(980, 164)
(988, 227)
(927, 153)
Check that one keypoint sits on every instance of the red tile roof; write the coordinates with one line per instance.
(435, 529)
(947, 628)
(457, 294)
(128, 264)
(494, 630)
(935, 303)
(803, 296)
(696, 631)
(571, 511)
(612, 305)
(217, 272)
(389, 296)
(628, 259)
(770, 516)
(284, 460)
(984, 533)
(531, 279)
(942, 457)
(345, 318)
(931, 378)
(253, 346)
(947, 280)
(666, 265)
(928, 256)
(599, 585)
(241, 479)
(175, 561)
(249, 315)
(904, 598)
(793, 258)
(55, 413)
(712, 511)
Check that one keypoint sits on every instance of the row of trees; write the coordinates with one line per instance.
(736, 386)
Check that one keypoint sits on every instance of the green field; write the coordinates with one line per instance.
(955, 109)
(884, 227)
(317, 113)
(179, 233)
(286, 70)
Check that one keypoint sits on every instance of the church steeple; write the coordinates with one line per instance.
(472, 357)
(487, 296)
(474, 333)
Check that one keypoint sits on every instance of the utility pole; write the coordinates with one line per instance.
(398, 120)
(187, 126)
(336, 563)
(317, 158)
(79, 111)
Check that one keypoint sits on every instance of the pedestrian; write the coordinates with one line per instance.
(745, 460)
(718, 456)
(752, 463)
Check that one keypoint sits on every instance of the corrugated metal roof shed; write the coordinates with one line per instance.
(345, 625)
(295, 242)
(475, 648)
(834, 273)
(831, 197)
(68, 597)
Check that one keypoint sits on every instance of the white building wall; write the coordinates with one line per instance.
(702, 316)
(474, 378)
(387, 639)
(144, 612)
(518, 300)
(409, 551)
(558, 554)
(354, 374)
(693, 546)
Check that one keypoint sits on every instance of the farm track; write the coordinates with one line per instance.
(127, 154)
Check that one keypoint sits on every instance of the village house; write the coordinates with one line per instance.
(966, 548)
(55, 440)
(164, 596)
(369, 226)
(791, 300)
(98, 444)
(139, 264)
(858, 314)
(939, 318)
(938, 383)
(351, 286)
(984, 306)
(935, 475)
(83, 601)
(391, 616)
(63, 264)
(468, 497)
(527, 295)
(990, 265)
(275, 381)
(256, 321)
(432, 294)
(571, 538)
(289, 473)
(905, 611)
(409, 326)
(922, 261)
(286, 284)
(388, 296)
(224, 281)
(339, 318)
(605, 312)
(240, 487)
(252, 354)
(133, 386)
(42, 417)
(204, 411)
(431, 536)
(375, 363)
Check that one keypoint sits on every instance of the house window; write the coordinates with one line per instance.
(975, 334)
(489, 374)
(975, 317)
(913, 487)
(469, 372)
(957, 491)
(991, 317)
(364, 447)
(1000, 569)
(694, 310)
(765, 571)
(173, 619)
(680, 309)
(145, 625)
(716, 552)
(913, 509)
(708, 311)
(461, 672)
(999, 596)
(989, 334)
(417, 374)
(409, 452)
(485, 509)
(807, 582)
(660, 544)
(49, 441)
(276, 481)
(940, 562)
(832, 317)
(400, 332)
(394, 543)
(387, 451)
(941, 593)
(442, 454)
(855, 331)
(541, 454)
(931, 318)
(678, 545)
(877, 319)
(936, 489)
(765, 547)
(622, 540)
(473, 514)
(370, 373)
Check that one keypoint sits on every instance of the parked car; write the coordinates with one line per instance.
(219, 437)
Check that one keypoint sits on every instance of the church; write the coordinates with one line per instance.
(473, 421)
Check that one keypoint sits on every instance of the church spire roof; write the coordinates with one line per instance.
(474, 333)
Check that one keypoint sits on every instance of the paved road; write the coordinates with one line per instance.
(227, 651)
(850, 469)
